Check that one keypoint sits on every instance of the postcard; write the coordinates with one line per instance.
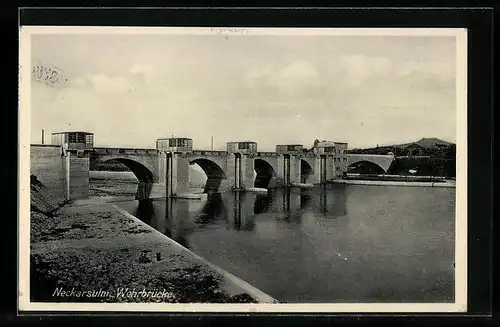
(212, 169)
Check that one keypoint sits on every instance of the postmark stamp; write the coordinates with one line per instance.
(48, 75)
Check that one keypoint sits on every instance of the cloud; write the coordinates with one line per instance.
(144, 73)
(299, 71)
(359, 68)
(129, 111)
(133, 90)
(103, 83)
(142, 69)
(292, 79)
(435, 76)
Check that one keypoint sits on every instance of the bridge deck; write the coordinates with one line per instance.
(267, 154)
(208, 153)
(218, 153)
(123, 151)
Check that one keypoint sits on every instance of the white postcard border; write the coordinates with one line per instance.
(24, 124)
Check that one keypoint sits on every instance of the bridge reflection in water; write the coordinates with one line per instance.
(178, 218)
(338, 243)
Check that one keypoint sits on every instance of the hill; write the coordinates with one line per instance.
(424, 146)
(428, 143)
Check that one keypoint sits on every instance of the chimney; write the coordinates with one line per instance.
(43, 136)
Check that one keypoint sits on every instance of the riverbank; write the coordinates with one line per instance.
(96, 253)
(396, 180)
(448, 184)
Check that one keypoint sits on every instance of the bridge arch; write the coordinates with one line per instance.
(144, 174)
(365, 167)
(265, 172)
(215, 174)
(306, 171)
(141, 172)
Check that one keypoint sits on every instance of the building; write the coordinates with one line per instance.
(340, 158)
(330, 147)
(290, 148)
(336, 150)
(244, 147)
(175, 144)
(74, 140)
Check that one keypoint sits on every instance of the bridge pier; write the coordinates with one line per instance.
(174, 174)
(325, 169)
(77, 168)
(276, 181)
(247, 172)
(288, 170)
(157, 191)
(294, 173)
(330, 168)
(239, 173)
(314, 177)
(143, 190)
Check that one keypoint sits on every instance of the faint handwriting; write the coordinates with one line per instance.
(237, 30)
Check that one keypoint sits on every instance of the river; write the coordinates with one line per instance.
(338, 243)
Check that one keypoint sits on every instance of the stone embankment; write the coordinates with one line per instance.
(449, 184)
(396, 180)
(95, 253)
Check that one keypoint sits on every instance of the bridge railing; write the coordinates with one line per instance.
(267, 154)
(116, 151)
(370, 155)
(209, 153)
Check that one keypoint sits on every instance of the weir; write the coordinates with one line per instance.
(164, 171)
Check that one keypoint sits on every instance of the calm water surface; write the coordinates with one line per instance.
(339, 243)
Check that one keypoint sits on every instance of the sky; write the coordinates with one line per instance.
(130, 90)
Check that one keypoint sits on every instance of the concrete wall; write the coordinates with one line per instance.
(48, 165)
(65, 174)
(78, 177)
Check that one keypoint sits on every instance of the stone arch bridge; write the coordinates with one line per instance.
(163, 174)
(383, 162)
(166, 174)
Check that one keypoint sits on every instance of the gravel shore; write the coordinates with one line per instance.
(96, 254)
